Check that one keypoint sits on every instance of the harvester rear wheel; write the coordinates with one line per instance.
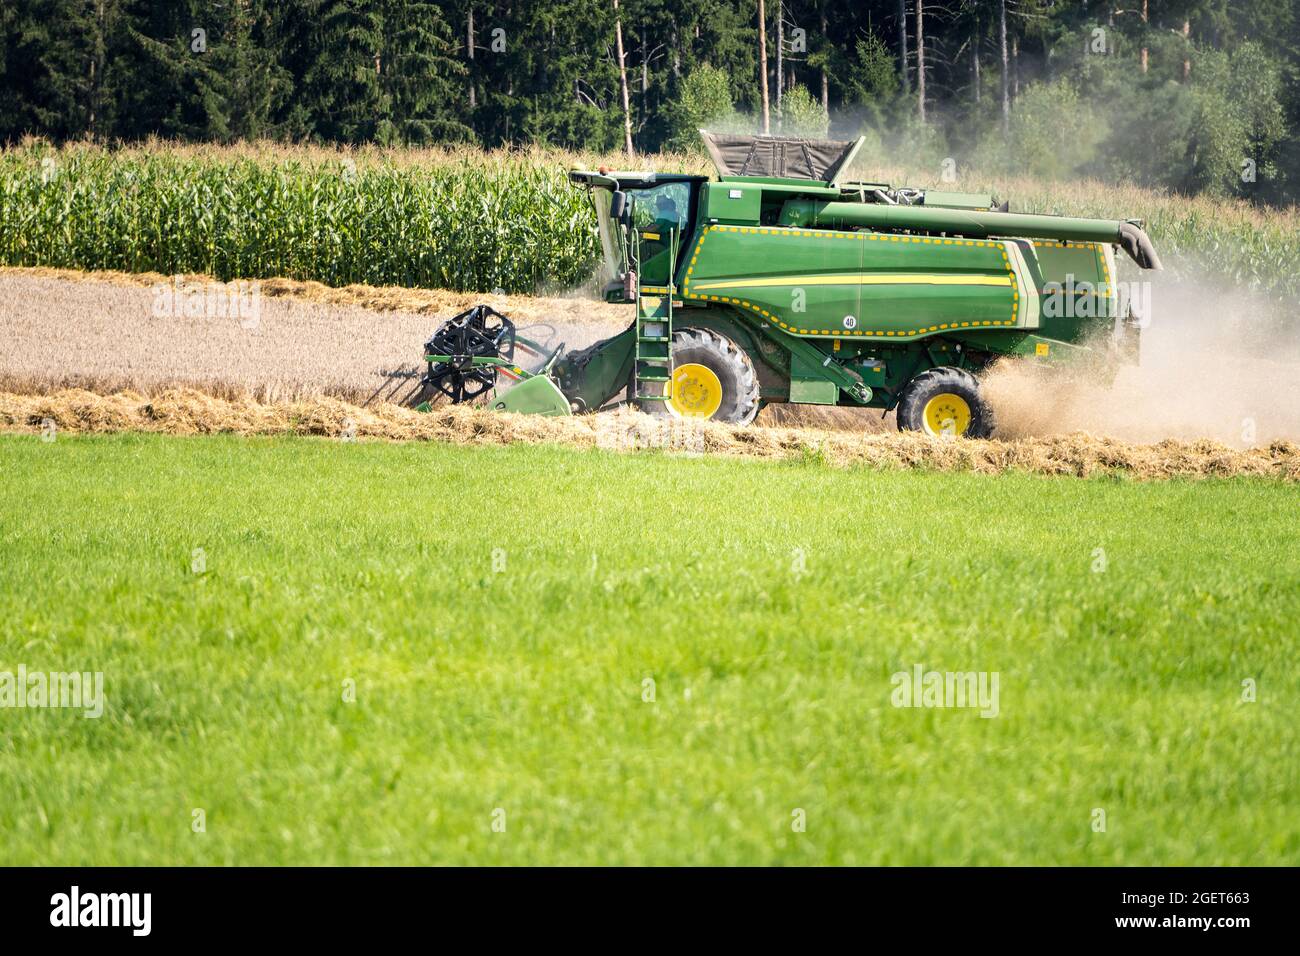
(945, 401)
(713, 379)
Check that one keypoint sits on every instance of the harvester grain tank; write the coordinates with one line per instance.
(780, 281)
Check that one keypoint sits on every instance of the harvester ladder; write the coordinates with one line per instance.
(653, 366)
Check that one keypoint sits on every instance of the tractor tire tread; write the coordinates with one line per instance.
(924, 385)
(731, 362)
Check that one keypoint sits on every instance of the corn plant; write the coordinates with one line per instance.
(517, 226)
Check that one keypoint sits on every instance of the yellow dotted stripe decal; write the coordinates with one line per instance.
(1105, 271)
(1015, 286)
(859, 236)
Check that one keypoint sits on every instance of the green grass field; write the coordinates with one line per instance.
(521, 688)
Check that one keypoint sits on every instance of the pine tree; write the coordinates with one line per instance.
(58, 67)
(342, 83)
(419, 78)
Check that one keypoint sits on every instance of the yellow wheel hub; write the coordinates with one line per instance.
(947, 414)
(697, 392)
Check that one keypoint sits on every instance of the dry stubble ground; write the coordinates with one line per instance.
(97, 331)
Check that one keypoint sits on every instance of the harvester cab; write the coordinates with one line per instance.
(781, 280)
(637, 214)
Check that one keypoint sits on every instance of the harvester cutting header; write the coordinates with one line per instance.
(781, 282)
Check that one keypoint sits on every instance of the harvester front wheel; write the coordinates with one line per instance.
(945, 401)
(713, 379)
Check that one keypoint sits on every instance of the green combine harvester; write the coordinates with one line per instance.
(781, 282)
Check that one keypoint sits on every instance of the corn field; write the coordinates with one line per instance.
(513, 225)
(468, 220)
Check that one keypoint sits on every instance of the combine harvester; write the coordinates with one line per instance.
(781, 282)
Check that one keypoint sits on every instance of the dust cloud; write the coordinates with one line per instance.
(1216, 363)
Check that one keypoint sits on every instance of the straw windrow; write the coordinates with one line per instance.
(189, 412)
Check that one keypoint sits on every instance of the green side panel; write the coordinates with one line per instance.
(808, 384)
(778, 274)
(1077, 289)
(732, 202)
(913, 285)
(656, 258)
(855, 285)
(533, 396)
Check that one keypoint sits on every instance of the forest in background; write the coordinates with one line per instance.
(1188, 96)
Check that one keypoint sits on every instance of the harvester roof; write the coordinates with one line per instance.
(820, 161)
(616, 178)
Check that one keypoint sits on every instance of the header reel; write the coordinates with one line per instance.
(480, 332)
(468, 352)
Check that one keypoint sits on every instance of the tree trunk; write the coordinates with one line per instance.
(920, 59)
(1145, 20)
(1015, 67)
(622, 79)
(826, 85)
(95, 79)
(469, 49)
(762, 65)
(1187, 57)
(975, 60)
(780, 58)
(902, 45)
(1006, 68)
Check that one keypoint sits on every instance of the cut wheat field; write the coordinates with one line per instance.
(96, 331)
(99, 331)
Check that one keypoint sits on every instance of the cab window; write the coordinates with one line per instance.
(666, 206)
